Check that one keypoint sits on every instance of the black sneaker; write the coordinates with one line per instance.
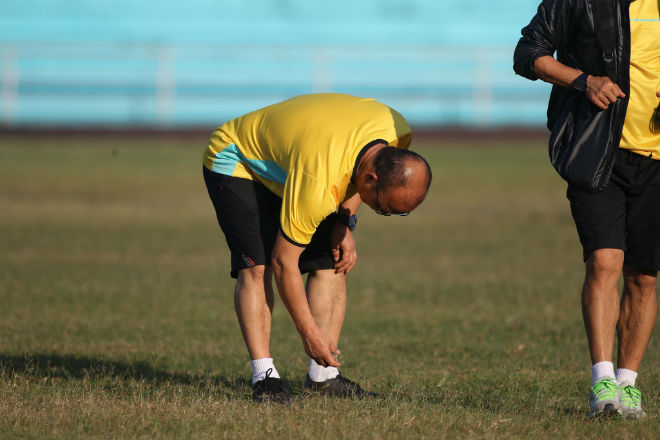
(338, 387)
(270, 389)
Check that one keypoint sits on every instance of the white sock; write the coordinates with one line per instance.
(320, 374)
(626, 376)
(601, 370)
(260, 367)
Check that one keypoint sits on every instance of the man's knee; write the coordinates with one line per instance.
(256, 281)
(255, 275)
(327, 275)
(640, 282)
(327, 280)
(604, 264)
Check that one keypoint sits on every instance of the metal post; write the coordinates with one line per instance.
(8, 85)
(165, 85)
(322, 79)
(482, 89)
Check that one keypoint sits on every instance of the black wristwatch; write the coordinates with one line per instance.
(348, 220)
(580, 83)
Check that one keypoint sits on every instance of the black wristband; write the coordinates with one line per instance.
(580, 83)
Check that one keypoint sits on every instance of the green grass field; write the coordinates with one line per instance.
(117, 321)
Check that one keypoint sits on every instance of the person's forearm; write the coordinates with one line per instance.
(600, 90)
(552, 71)
(292, 291)
(350, 206)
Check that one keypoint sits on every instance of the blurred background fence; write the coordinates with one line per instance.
(172, 64)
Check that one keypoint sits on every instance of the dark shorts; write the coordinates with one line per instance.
(249, 216)
(625, 215)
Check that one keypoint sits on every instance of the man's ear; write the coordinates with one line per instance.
(370, 178)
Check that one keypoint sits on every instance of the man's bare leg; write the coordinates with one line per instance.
(600, 310)
(326, 295)
(253, 302)
(600, 302)
(639, 311)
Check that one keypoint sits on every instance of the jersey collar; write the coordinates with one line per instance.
(361, 154)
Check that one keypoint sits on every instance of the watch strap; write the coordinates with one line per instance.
(348, 220)
(580, 83)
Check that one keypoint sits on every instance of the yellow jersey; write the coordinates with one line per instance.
(305, 150)
(638, 135)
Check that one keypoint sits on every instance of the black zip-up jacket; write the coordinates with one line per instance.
(584, 139)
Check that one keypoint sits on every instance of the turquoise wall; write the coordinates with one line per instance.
(200, 62)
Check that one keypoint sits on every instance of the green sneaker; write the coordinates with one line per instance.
(631, 402)
(604, 399)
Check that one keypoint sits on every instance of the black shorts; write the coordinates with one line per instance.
(625, 215)
(249, 216)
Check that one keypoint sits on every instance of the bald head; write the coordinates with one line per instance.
(402, 174)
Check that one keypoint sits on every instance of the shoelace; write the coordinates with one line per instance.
(270, 382)
(268, 372)
(605, 389)
(631, 396)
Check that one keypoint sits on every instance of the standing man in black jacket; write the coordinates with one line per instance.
(605, 141)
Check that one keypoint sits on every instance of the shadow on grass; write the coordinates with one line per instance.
(488, 396)
(73, 367)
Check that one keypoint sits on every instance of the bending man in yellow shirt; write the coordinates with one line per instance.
(286, 182)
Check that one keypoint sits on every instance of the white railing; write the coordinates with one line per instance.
(164, 85)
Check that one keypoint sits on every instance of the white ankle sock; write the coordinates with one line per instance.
(260, 367)
(625, 375)
(320, 374)
(601, 370)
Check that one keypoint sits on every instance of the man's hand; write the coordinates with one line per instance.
(320, 347)
(602, 91)
(655, 122)
(343, 249)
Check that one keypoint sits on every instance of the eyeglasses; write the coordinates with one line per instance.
(385, 213)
